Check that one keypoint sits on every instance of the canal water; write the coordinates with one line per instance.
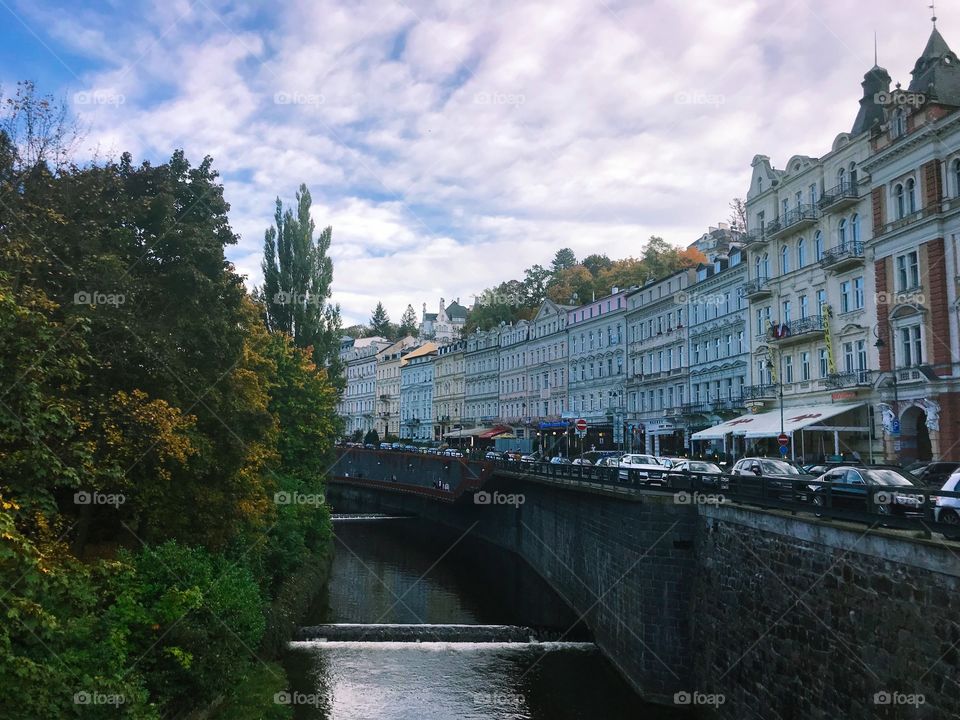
(401, 571)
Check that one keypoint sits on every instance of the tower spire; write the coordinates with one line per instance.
(875, 63)
(933, 11)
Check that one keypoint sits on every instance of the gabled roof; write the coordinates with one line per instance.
(456, 311)
(430, 316)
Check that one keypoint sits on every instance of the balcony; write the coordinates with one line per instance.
(693, 409)
(760, 392)
(849, 379)
(839, 197)
(721, 406)
(795, 220)
(755, 238)
(843, 256)
(757, 289)
(797, 330)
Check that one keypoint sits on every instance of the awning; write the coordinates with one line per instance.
(491, 433)
(505, 436)
(768, 424)
(471, 432)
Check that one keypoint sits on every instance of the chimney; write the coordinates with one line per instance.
(614, 290)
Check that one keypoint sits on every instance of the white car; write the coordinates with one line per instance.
(647, 467)
(581, 461)
(669, 462)
(947, 509)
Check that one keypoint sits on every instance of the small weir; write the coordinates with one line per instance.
(426, 632)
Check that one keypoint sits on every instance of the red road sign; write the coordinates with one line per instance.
(581, 425)
(783, 439)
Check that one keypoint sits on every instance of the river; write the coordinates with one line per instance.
(389, 571)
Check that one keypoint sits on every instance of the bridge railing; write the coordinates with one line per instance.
(896, 506)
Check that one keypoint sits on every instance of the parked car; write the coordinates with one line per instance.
(385, 446)
(707, 473)
(451, 452)
(669, 462)
(370, 446)
(560, 461)
(492, 455)
(646, 467)
(580, 461)
(781, 476)
(850, 484)
(935, 474)
(947, 509)
(529, 459)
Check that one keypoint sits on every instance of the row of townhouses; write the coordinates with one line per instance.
(832, 317)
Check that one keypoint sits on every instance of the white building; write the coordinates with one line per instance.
(482, 381)
(416, 393)
(547, 363)
(444, 325)
(358, 406)
(389, 361)
(448, 387)
(513, 372)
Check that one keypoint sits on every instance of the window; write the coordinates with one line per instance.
(899, 201)
(804, 306)
(784, 260)
(848, 357)
(821, 301)
(842, 233)
(855, 228)
(813, 194)
(845, 296)
(898, 125)
(956, 177)
(824, 365)
(785, 316)
(861, 355)
(786, 209)
(911, 195)
(858, 293)
(818, 246)
(788, 369)
(911, 346)
(801, 253)
(908, 271)
(805, 365)
(841, 178)
(740, 342)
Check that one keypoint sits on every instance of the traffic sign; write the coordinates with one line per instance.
(895, 426)
(783, 439)
(784, 450)
(581, 425)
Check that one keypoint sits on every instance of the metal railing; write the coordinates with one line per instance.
(850, 378)
(841, 252)
(844, 191)
(752, 287)
(811, 323)
(760, 392)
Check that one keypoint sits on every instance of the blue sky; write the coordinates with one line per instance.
(452, 144)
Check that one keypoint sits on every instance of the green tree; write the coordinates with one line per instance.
(380, 322)
(596, 264)
(297, 278)
(563, 260)
(534, 286)
(408, 323)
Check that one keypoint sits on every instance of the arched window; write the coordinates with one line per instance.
(853, 175)
(766, 265)
(900, 204)
(899, 126)
(801, 253)
(956, 177)
(759, 270)
(855, 228)
(818, 246)
(759, 184)
(841, 178)
(842, 233)
(784, 260)
(911, 195)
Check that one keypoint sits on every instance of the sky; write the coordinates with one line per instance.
(453, 144)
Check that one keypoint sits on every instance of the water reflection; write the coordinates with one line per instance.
(405, 572)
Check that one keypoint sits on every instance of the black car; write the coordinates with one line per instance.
(768, 477)
(935, 474)
(850, 486)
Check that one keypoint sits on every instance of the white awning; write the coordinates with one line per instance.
(767, 424)
(466, 433)
(717, 432)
